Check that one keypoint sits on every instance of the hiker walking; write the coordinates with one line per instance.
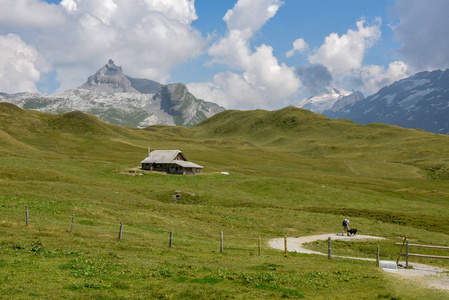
(345, 226)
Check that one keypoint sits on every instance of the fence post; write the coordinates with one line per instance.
(260, 246)
(71, 227)
(285, 246)
(378, 254)
(399, 256)
(221, 242)
(171, 239)
(120, 233)
(406, 255)
(329, 248)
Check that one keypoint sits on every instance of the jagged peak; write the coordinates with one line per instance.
(111, 68)
(109, 78)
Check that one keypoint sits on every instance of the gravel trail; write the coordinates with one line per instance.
(432, 276)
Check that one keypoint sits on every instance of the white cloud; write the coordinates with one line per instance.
(374, 77)
(229, 90)
(103, 9)
(251, 15)
(69, 5)
(264, 72)
(181, 10)
(423, 32)
(147, 37)
(343, 57)
(20, 14)
(232, 50)
(19, 65)
(341, 54)
(261, 82)
(299, 45)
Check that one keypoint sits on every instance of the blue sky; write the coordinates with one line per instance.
(239, 54)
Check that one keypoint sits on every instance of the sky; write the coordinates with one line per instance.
(240, 54)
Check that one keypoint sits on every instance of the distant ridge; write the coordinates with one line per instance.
(122, 100)
(330, 99)
(420, 101)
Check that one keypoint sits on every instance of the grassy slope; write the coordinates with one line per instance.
(292, 173)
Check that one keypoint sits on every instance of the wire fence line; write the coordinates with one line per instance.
(85, 226)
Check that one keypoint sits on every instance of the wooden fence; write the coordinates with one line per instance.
(407, 254)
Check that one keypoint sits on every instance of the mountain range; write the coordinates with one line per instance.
(420, 101)
(330, 99)
(122, 100)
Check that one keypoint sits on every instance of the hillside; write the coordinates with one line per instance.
(305, 133)
(292, 173)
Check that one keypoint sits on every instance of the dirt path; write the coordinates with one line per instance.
(296, 244)
(432, 276)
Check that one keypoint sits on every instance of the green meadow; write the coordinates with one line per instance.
(292, 173)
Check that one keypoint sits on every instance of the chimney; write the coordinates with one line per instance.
(148, 151)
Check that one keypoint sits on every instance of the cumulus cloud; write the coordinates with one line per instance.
(251, 15)
(299, 45)
(423, 32)
(147, 37)
(229, 90)
(341, 54)
(20, 14)
(371, 78)
(19, 65)
(232, 50)
(315, 78)
(181, 10)
(261, 82)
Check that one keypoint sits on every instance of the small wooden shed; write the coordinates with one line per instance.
(171, 162)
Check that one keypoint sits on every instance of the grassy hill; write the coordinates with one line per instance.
(293, 173)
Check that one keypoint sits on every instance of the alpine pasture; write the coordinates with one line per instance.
(292, 173)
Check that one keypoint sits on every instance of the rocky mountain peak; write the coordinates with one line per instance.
(110, 79)
(111, 69)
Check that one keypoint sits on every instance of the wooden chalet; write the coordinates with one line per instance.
(171, 162)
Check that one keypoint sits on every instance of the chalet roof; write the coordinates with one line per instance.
(162, 157)
(187, 164)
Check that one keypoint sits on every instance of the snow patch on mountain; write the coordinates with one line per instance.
(330, 100)
(420, 101)
(323, 101)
